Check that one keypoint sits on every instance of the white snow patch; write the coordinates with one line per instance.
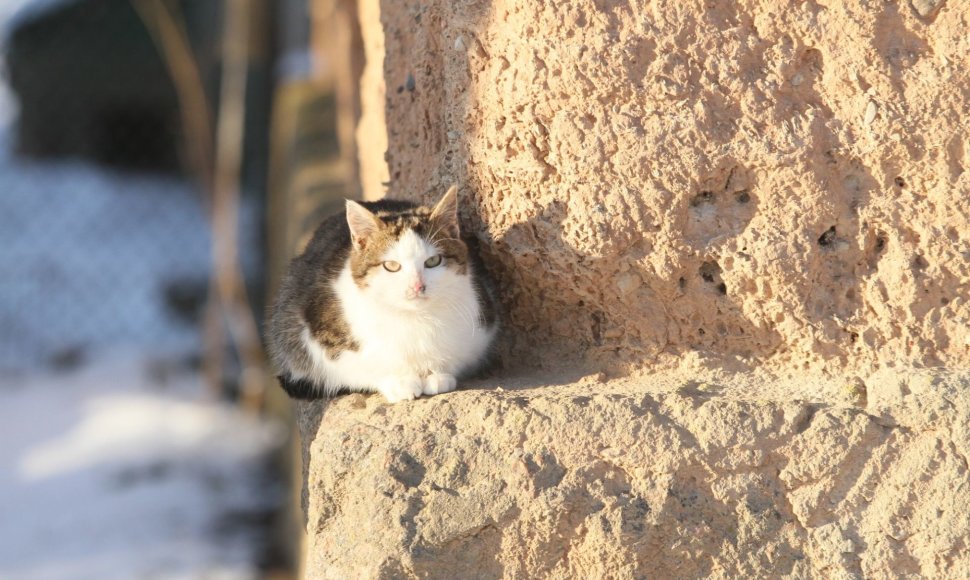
(105, 474)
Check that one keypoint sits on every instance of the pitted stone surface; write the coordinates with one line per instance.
(780, 183)
(621, 480)
(747, 224)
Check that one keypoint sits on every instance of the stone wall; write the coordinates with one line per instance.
(627, 480)
(783, 183)
(732, 241)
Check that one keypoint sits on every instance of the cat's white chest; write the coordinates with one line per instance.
(444, 336)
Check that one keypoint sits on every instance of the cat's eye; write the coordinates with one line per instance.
(433, 261)
(391, 266)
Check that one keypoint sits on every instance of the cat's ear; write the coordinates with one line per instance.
(363, 224)
(445, 214)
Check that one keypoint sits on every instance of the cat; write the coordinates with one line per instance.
(386, 297)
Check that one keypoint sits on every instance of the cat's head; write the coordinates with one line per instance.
(409, 258)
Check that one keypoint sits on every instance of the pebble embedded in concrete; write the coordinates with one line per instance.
(871, 110)
(926, 8)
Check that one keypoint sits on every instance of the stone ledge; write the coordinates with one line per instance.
(618, 481)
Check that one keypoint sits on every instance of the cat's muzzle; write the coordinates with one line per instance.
(417, 290)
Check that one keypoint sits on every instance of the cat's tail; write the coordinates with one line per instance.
(301, 389)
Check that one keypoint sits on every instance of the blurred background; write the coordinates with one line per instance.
(160, 160)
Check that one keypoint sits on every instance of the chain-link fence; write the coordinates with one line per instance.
(104, 237)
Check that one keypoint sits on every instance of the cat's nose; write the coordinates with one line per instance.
(419, 287)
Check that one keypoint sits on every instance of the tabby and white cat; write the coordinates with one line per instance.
(385, 298)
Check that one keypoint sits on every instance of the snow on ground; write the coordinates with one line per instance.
(108, 473)
(104, 471)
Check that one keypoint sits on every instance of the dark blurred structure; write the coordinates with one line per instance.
(91, 84)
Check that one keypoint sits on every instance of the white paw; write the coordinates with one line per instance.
(397, 389)
(437, 383)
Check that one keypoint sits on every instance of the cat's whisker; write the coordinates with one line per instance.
(465, 313)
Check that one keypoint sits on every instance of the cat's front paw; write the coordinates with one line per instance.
(437, 383)
(397, 389)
